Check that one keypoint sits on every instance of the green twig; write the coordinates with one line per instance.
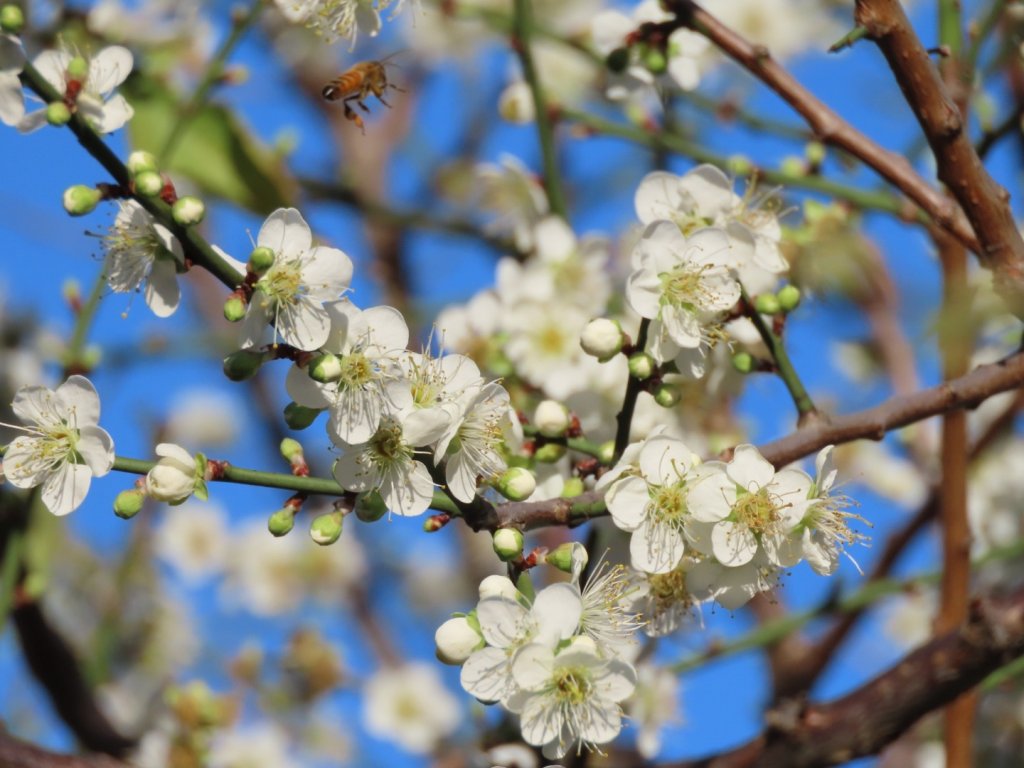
(522, 29)
(83, 322)
(624, 419)
(214, 72)
(847, 40)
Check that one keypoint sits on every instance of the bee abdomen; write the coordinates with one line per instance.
(330, 92)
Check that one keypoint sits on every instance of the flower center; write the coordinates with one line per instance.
(669, 587)
(756, 511)
(282, 282)
(387, 446)
(551, 340)
(668, 505)
(356, 371)
(684, 287)
(572, 685)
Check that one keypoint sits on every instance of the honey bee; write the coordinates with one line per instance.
(358, 83)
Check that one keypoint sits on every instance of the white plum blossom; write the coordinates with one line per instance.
(106, 70)
(825, 530)
(292, 292)
(260, 745)
(468, 328)
(193, 539)
(785, 27)
(12, 100)
(652, 502)
(472, 442)
(339, 19)
(683, 285)
(569, 699)
(204, 416)
(510, 190)
(653, 706)
(734, 586)
(664, 600)
(64, 447)
(433, 383)
(749, 508)
(410, 706)
(176, 476)
(507, 625)
(369, 343)
(140, 250)
(683, 56)
(544, 344)
(385, 463)
(703, 197)
(608, 617)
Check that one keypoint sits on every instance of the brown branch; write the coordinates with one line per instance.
(984, 202)
(871, 423)
(866, 720)
(828, 127)
(15, 753)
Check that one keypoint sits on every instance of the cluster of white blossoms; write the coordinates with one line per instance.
(722, 531)
(339, 19)
(558, 660)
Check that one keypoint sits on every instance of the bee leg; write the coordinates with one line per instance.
(380, 98)
(352, 115)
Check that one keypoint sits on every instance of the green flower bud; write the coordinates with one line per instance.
(299, 416)
(793, 166)
(508, 543)
(325, 368)
(617, 60)
(551, 418)
(767, 304)
(282, 521)
(549, 453)
(234, 308)
(291, 449)
(78, 68)
(815, 153)
(326, 529)
(12, 19)
(655, 60)
(243, 364)
(370, 507)
(149, 183)
(641, 366)
(80, 199)
(128, 503)
(740, 165)
(606, 454)
(435, 523)
(666, 395)
(260, 260)
(789, 297)
(566, 556)
(141, 161)
(573, 487)
(188, 210)
(58, 114)
(743, 362)
(516, 484)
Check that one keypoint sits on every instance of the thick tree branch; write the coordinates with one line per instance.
(983, 200)
(866, 720)
(829, 127)
(15, 753)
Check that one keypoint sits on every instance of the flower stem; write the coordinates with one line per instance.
(522, 28)
(73, 357)
(633, 388)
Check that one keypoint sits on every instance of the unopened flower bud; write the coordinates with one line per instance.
(666, 395)
(173, 479)
(12, 19)
(243, 364)
(370, 507)
(740, 165)
(299, 416)
(435, 523)
(606, 453)
(617, 60)
(551, 418)
(793, 166)
(58, 114)
(80, 199)
(260, 260)
(602, 338)
(549, 453)
(78, 68)
(498, 586)
(508, 543)
(767, 304)
(188, 210)
(789, 297)
(641, 366)
(455, 641)
(325, 368)
(141, 161)
(234, 308)
(516, 484)
(743, 362)
(291, 449)
(149, 183)
(815, 153)
(128, 503)
(282, 521)
(573, 487)
(326, 529)
(654, 59)
(567, 556)
(516, 104)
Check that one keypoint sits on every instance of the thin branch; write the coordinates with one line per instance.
(826, 124)
(624, 419)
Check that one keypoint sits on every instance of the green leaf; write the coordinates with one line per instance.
(214, 149)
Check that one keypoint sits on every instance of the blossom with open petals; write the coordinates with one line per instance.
(140, 250)
(64, 448)
(12, 100)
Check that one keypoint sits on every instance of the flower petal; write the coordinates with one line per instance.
(286, 233)
(733, 544)
(486, 675)
(64, 489)
(627, 502)
(97, 449)
(656, 548)
(108, 69)
(749, 469)
(162, 292)
(80, 401)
